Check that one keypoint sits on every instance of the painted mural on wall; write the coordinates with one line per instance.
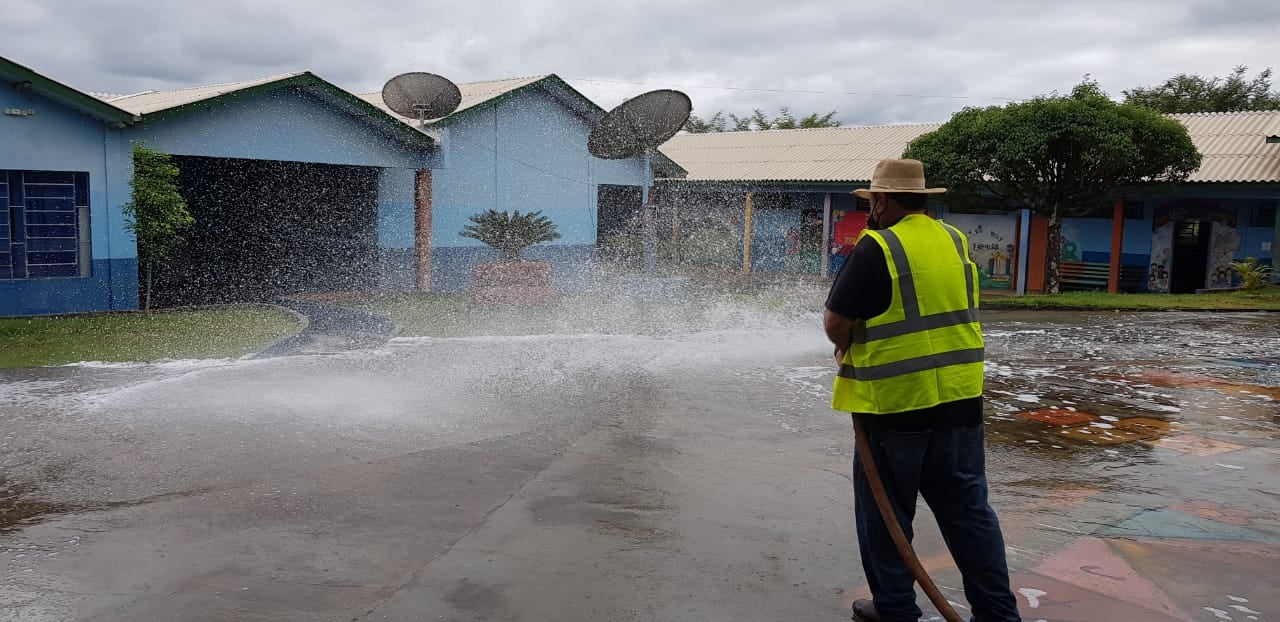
(1161, 258)
(990, 245)
(1224, 241)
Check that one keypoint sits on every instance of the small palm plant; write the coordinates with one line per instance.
(1253, 273)
(510, 233)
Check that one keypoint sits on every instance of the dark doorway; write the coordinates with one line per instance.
(619, 224)
(266, 229)
(1190, 256)
(617, 211)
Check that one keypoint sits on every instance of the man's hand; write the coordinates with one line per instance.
(840, 331)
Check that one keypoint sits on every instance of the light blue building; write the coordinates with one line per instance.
(519, 144)
(63, 178)
(296, 186)
(292, 180)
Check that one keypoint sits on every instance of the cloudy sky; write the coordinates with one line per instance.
(873, 62)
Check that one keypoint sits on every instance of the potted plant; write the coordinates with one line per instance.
(510, 279)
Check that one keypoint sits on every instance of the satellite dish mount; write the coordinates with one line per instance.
(637, 127)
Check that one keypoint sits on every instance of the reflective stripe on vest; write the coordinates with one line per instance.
(911, 366)
(913, 322)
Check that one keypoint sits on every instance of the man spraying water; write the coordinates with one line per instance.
(903, 315)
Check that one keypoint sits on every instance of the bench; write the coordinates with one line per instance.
(1085, 276)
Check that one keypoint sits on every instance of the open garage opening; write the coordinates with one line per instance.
(266, 229)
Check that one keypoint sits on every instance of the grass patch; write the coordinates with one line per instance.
(449, 315)
(128, 337)
(1264, 299)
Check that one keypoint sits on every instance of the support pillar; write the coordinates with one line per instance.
(746, 235)
(1023, 244)
(1275, 247)
(422, 230)
(826, 235)
(1117, 246)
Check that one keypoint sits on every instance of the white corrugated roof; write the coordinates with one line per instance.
(155, 101)
(1233, 145)
(473, 94)
(834, 154)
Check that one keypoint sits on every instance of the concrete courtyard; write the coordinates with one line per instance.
(690, 474)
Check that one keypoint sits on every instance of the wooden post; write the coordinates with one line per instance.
(826, 235)
(422, 230)
(746, 236)
(1117, 245)
(1275, 248)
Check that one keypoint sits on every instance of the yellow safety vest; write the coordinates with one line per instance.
(927, 348)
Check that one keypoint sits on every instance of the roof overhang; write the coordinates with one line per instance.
(309, 83)
(26, 79)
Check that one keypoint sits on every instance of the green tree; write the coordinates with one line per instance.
(510, 233)
(758, 120)
(156, 213)
(1194, 93)
(1058, 155)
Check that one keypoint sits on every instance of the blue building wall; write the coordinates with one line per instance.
(526, 153)
(56, 138)
(1089, 239)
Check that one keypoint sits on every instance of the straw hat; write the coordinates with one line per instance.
(897, 176)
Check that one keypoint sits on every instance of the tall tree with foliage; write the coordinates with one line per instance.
(1058, 155)
(1194, 93)
(156, 212)
(758, 120)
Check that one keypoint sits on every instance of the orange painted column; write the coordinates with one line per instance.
(422, 230)
(1117, 246)
(1037, 253)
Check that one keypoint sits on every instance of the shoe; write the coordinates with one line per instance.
(864, 610)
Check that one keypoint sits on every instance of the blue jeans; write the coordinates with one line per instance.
(947, 466)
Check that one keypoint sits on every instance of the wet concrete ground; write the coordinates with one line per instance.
(682, 475)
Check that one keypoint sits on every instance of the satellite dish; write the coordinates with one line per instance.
(636, 127)
(421, 96)
(639, 124)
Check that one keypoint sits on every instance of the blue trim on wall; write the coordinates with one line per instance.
(452, 266)
(113, 287)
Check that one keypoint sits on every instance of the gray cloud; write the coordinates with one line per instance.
(977, 50)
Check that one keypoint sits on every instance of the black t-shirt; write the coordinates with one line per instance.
(862, 290)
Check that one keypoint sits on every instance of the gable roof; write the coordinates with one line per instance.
(157, 105)
(1234, 147)
(478, 96)
(53, 90)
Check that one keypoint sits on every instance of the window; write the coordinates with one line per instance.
(1133, 210)
(44, 234)
(1263, 215)
(985, 205)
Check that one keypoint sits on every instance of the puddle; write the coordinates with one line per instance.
(20, 506)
